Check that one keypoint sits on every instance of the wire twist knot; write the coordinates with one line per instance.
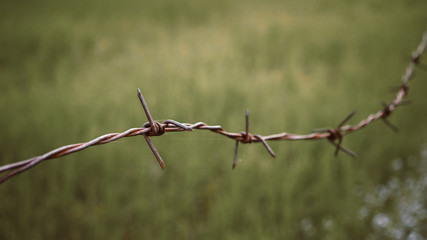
(156, 129)
(246, 137)
(416, 57)
(334, 134)
(386, 111)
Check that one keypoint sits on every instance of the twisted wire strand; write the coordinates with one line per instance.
(153, 128)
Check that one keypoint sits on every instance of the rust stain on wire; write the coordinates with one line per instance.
(153, 128)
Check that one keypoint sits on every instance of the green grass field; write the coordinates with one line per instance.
(69, 71)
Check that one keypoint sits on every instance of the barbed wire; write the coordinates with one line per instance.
(154, 128)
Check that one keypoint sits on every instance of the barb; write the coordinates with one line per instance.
(153, 128)
(156, 130)
(336, 134)
(248, 138)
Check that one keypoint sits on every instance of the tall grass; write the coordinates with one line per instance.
(69, 73)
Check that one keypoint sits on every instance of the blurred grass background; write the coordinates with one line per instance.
(69, 71)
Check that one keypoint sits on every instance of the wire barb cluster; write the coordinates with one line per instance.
(153, 128)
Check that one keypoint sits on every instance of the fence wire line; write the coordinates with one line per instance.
(154, 128)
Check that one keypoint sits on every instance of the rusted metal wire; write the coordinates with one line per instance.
(154, 128)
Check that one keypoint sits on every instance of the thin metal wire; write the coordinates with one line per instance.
(153, 128)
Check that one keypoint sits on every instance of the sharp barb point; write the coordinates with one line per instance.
(404, 102)
(390, 125)
(346, 119)
(235, 154)
(346, 150)
(338, 147)
(247, 122)
(266, 145)
(155, 152)
(145, 107)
